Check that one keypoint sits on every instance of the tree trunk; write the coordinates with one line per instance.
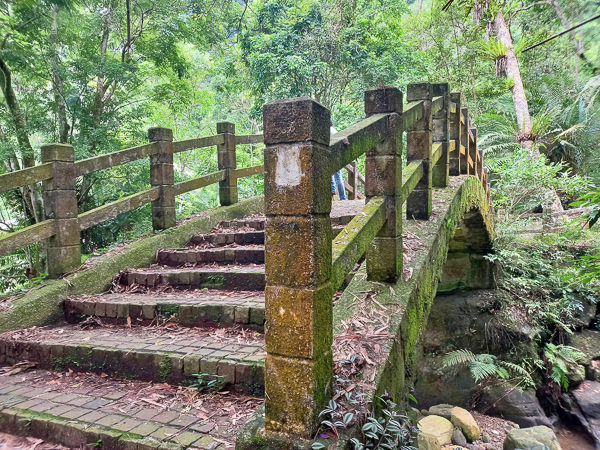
(57, 82)
(32, 196)
(525, 137)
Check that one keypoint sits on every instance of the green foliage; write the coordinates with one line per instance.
(484, 366)
(208, 382)
(561, 360)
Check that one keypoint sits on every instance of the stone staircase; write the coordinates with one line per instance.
(197, 310)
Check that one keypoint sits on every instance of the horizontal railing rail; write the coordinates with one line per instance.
(59, 172)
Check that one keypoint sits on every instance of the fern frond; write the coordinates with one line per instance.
(458, 358)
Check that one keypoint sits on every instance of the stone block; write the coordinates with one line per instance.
(301, 387)
(383, 100)
(160, 134)
(228, 315)
(242, 314)
(418, 145)
(298, 321)
(225, 127)
(191, 365)
(384, 259)
(294, 120)
(383, 175)
(419, 91)
(226, 368)
(419, 204)
(62, 260)
(308, 239)
(60, 204)
(57, 152)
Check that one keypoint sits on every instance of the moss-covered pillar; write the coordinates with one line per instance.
(162, 176)
(383, 177)
(473, 151)
(440, 127)
(60, 204)
(464, 141)
(454, 134)
(480, 171)
(418, 148)
(228, 189)
(298, 292)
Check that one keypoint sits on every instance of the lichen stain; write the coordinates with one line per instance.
(287, 170)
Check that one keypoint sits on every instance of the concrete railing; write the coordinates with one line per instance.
(303, 266)
(59, 172)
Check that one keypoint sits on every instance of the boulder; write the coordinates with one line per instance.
(463, 419)
(444, 410)
(427, 442)
(438, 427)
(587, 342)
(485, 437)
(576, 375)
(520, 407)
(458, 438)
(587, 397)
(583, 317)
(534, 438)
(592, 371)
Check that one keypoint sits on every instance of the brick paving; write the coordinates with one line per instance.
(75, 411)
(144, 353)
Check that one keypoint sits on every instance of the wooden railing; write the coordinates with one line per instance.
(304, 266)
(59, 171)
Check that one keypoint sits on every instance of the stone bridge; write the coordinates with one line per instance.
(345, 292)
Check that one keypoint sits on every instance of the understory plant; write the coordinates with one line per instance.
(383, 427)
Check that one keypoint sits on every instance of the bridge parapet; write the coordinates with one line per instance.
(303, 266)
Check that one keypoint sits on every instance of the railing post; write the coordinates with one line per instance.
(464, 141)
(440, 174)
(228, 190)
(418, 148)
(473, 151)
(455, 127)
(383, 177)
(60, 203)
(353, 181)
(298, 292)
(480, 165)
(163, 176)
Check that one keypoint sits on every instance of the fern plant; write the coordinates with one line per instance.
(562, 360)
(484, 366)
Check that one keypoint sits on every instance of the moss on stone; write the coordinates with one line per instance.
(43, 306)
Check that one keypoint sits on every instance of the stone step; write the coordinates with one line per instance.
(246, 278)
(240, 255)
(88, 411)
(256, 223)
(156, 354)
(227, 238)
(198, 309)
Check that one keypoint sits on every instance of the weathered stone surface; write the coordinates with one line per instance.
(583, 318)
(587, 398)
(426, 441)
(458, 438)
(588, 342)
(534, 438)
(443, 410)
(438, 427)
(463, 419)
(521, 407)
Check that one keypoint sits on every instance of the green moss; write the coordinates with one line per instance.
(167, 310)
(165, 369)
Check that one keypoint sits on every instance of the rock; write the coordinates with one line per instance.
(534, 438)
(592, 371)
(485, 437)
(425, 412)
(576, 375)
(438, 427)
(463, 419)
(458, 438)
(587, 397)
(488, 446)
(444, 410)
(427, 442)
(588, 342)
(582, 318)
(415, 414)
(520, 407)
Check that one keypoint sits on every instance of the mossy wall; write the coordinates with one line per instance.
(43, 305)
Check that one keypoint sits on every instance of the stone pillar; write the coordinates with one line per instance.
(473, 151)
(464, 141)
(298, 292)
(228, 190)
(480, 173)
(383, 177)
(455, 127)
(418, 147)
(60, 203)
(162, 175)
(440, 172)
